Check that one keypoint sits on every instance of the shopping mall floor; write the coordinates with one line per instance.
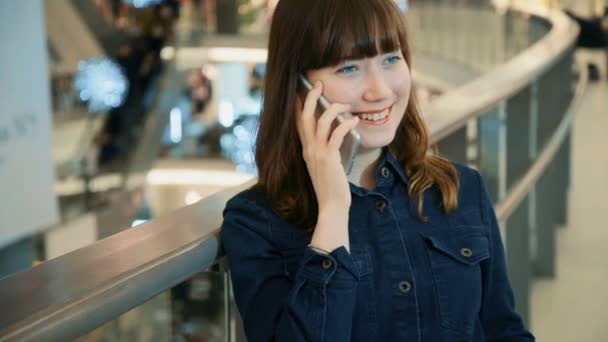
(574, 305)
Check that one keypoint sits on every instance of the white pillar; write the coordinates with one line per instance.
(27, 201)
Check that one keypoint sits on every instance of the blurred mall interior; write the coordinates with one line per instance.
(127, 124)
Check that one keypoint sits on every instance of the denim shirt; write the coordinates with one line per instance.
(403, 280)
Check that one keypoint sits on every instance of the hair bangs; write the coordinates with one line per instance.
(355, 29)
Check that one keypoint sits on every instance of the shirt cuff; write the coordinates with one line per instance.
(336, 267)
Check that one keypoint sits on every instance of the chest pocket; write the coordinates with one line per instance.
(455, 257)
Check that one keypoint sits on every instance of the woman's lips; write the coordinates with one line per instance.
(366, 117)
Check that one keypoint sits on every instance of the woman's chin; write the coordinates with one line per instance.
(369, 145)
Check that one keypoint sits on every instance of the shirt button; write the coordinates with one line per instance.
(327, 264)
(380, 205)
(385, 172)
(405, 287)
(466, 252)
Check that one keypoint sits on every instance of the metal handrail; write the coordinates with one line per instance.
(456, 108)
(66, 297)
(520, 190)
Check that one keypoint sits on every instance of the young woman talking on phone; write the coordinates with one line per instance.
(406, 247)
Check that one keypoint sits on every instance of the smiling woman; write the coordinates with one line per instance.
(406, 247)
(329, 45)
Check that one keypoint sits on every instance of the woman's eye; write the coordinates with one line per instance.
(347, 69)
(393, 59)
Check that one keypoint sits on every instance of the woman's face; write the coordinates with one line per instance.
(378, 90)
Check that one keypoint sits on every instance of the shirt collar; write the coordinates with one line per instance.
(388, 162)
(389, 159)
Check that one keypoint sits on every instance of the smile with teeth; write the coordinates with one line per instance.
(374, 116)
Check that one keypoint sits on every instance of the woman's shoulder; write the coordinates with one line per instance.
(469, 178)
(249, 217)
(245, 214)
(472, 198)
(249, 202)
(252, 206)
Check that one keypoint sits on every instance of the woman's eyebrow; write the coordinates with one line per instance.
(347, 60)
(350, 57)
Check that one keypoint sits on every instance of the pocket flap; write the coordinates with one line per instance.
(465, 249)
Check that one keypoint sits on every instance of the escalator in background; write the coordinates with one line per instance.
(122, 140)
(69, 36)
(100, 27)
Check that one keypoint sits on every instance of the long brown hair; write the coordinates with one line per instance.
(311, 34)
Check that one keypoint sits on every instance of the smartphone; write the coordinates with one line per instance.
(350, 145)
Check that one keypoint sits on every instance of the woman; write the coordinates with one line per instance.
(404, 248)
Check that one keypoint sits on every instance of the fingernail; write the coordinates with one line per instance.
(318, 84)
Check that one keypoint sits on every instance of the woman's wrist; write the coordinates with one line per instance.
(331, 230)
(333, 211)
(334, 219)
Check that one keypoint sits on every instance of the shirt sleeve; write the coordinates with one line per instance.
(314, 304)
(500, 321)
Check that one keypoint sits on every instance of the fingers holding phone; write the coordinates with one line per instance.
(307, 126)
(318, 119)
(341, 132)
(321, 140)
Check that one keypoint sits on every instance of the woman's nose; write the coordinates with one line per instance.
(376, 87)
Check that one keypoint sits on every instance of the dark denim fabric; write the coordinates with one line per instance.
(403, 280)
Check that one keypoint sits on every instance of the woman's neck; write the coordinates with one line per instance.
(362, 172)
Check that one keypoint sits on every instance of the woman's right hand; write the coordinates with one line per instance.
(321, 150)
